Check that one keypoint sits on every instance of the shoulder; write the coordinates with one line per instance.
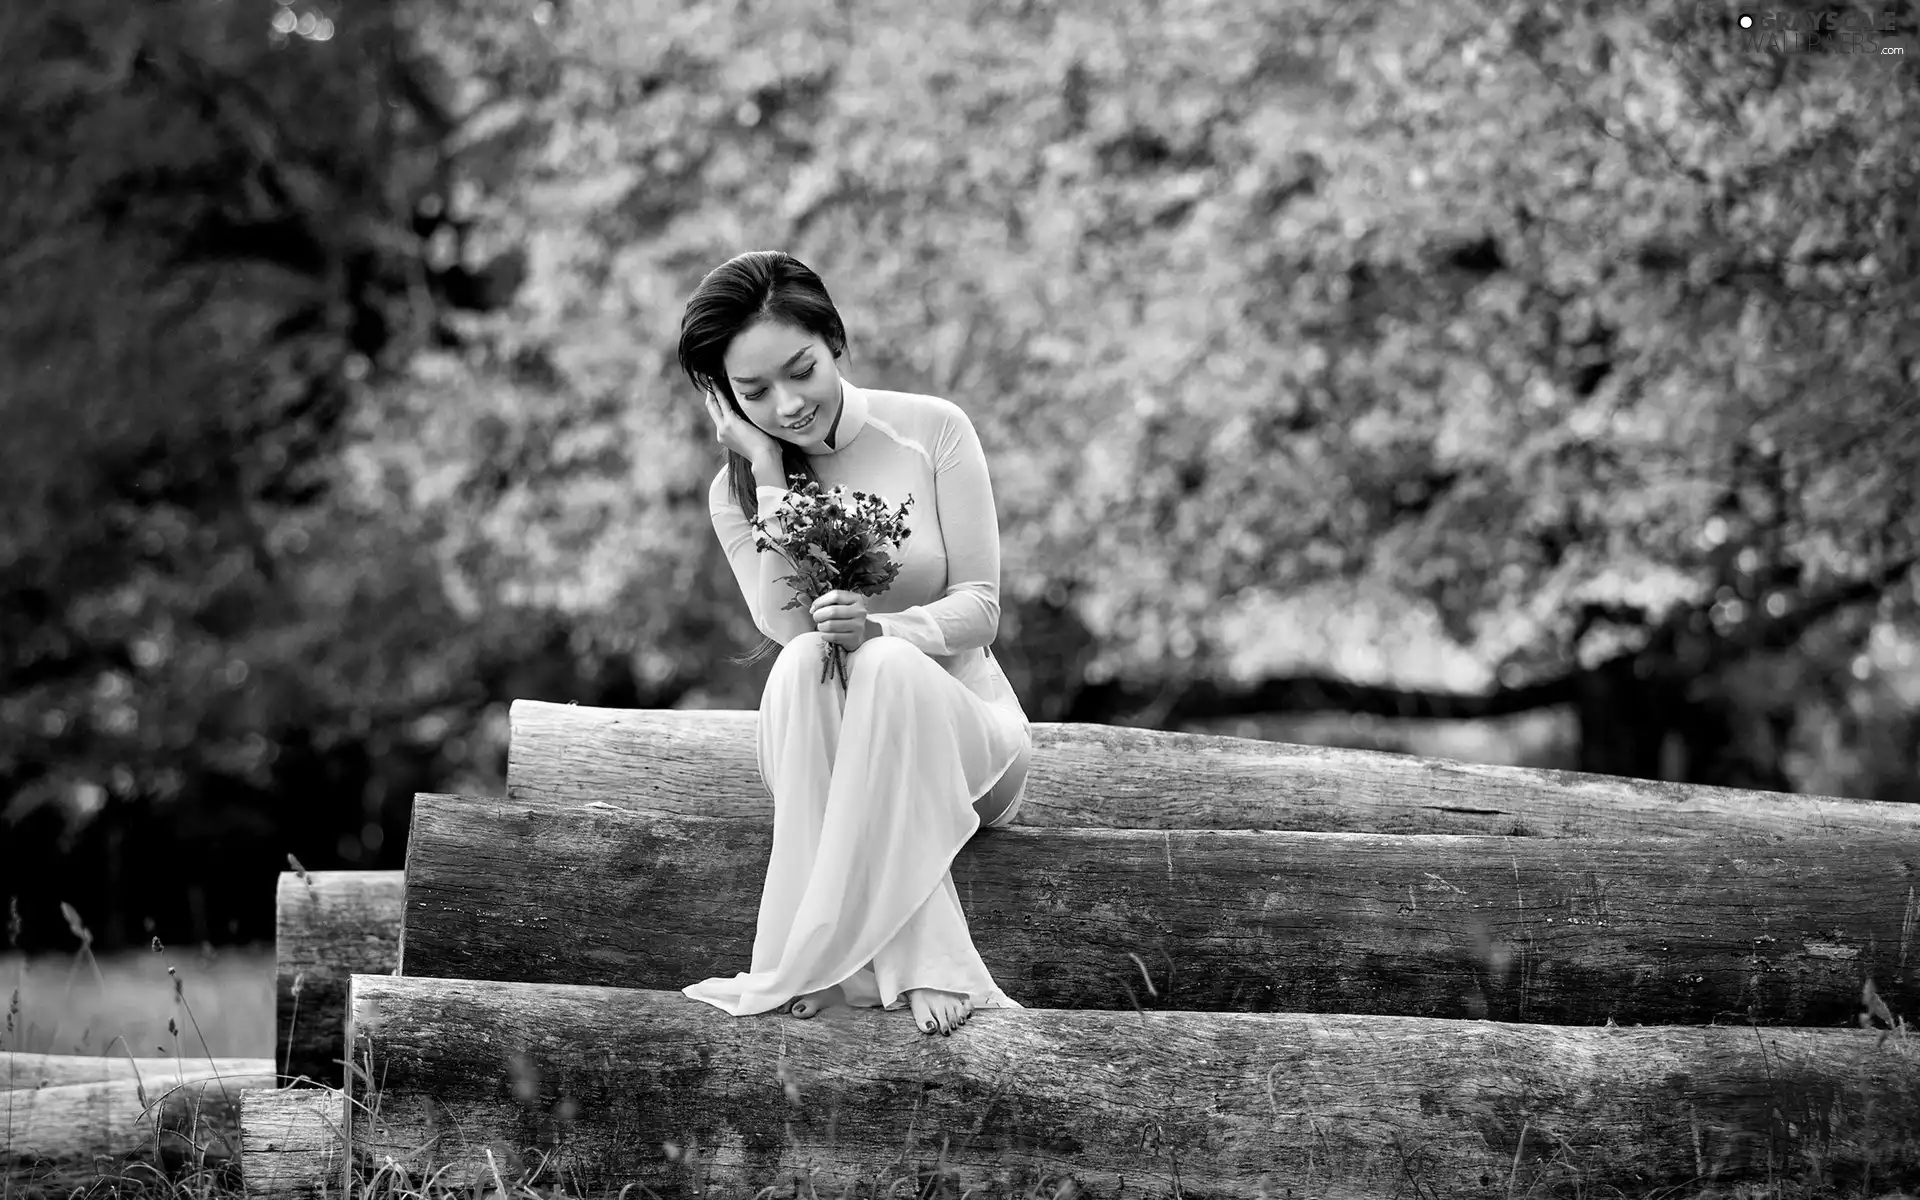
(916, 413)
(720, 494)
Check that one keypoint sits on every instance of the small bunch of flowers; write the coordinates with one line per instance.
(837, 540)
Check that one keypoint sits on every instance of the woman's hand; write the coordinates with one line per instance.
(842, 617)
(742, 436)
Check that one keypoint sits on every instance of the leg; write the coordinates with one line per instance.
(873, 795)
(1001, 804)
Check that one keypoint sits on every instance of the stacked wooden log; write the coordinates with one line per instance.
(73, 1110)
(1250, 967)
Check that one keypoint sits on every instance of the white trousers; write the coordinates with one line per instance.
(875, 789)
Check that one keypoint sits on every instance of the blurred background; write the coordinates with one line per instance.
(1521, 381)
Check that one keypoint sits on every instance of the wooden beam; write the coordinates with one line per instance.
(616, 1087)
(328, 925)
(1523, 929)
(293, 1142)
(180, 1116)
(701, 763)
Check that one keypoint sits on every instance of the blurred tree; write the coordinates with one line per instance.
(220, 222)
(1592, 332)
(341, 405)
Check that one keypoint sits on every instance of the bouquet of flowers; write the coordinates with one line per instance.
(837, 540)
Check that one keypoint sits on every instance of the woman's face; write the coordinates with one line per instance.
(786, 381)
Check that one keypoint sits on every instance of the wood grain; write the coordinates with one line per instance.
(19, 1069)
(701, 763)
(620, 1086)
(328, 925)
(186, 1116)
(1521, 929)
(293, 1142)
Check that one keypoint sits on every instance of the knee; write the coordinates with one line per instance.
(886, 654)
(803, 651)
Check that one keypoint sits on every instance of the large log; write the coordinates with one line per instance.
(616, 1087)
(702, 763)
(19, 1069)
(1570, 931)
(328, 925)
(177, 1116)
(293, 1142)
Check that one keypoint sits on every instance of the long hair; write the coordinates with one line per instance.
(750, 287)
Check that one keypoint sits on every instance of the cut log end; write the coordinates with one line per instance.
(329, 925)
(293, 1146)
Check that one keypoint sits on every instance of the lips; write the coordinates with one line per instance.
(799, 425)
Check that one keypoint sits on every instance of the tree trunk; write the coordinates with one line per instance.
(328, 925)
(293, 1142)
(1515, 929)
(187, 1115)
(701, 763)
(618, 1087)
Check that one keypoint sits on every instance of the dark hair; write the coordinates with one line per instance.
(751, 287)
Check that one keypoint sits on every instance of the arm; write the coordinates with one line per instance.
(758, 574)
(967, 615)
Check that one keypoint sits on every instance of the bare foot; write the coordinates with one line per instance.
(814, 1003)
(935, 1011)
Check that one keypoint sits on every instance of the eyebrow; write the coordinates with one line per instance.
(783, 366)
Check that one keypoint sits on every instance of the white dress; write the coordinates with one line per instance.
(876, 788)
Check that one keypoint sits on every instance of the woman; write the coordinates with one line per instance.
(875, 788)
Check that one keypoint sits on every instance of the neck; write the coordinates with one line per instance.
(848, 421)
(839, 410)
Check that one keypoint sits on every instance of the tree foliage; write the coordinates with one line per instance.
(1590, 333)
(1555, 355)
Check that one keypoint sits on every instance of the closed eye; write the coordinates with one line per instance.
(755, 395)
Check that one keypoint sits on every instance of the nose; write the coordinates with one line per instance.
(789, 404)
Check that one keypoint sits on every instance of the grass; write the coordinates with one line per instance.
(134, 1006)
(67, 1009)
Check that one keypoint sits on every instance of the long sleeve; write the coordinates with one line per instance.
(758, 574)
(967, 614)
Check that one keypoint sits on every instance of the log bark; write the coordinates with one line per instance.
(702, 763)
(615, 1086)
(187, 1115)
(293, 1142)
(328, 925)
(1517, 929)
(20, 1070)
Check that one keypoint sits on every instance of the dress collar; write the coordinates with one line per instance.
(853, 418)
